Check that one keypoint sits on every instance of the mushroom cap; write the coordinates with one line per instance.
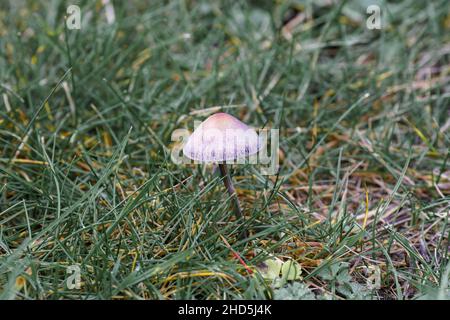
(221, 137)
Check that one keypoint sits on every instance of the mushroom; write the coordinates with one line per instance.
(223, 139)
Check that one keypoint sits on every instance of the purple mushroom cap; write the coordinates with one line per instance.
(221, 137)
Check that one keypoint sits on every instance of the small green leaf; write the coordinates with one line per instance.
(270, 268)
(291, 270)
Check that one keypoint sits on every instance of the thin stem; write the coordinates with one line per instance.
(234, 198)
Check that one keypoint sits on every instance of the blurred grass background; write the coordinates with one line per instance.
(86, 118)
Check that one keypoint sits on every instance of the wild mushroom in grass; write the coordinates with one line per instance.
(222, 139)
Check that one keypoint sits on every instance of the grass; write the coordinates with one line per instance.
(85, 137)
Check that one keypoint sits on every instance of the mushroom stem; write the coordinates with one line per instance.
(232, 192)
